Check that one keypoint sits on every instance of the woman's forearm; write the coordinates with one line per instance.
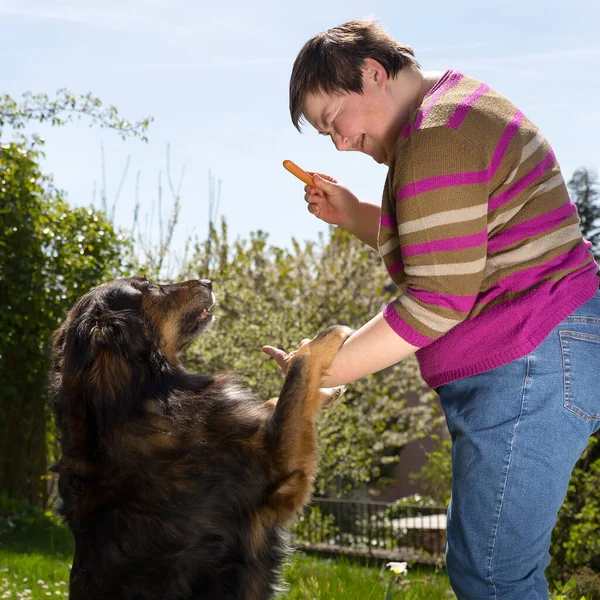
(370, 349)
(363, 223)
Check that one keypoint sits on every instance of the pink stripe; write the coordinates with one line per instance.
(469, 178)
(451, 82)
(396, 267)
(462, 110)
(403, 329)
(446, 245)
(513, 191)
(505, 139)
(462, 304)
(523, 280)
(534, 226)
(388, 221)
(518, 327)
(446, 82)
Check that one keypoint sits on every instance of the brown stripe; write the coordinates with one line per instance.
(554, 276)
(493, 277)
(414, 323)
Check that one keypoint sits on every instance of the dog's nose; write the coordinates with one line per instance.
(207, 283)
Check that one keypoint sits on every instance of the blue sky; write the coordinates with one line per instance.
(214, 75)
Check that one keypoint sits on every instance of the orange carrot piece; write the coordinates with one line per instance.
(301, 174)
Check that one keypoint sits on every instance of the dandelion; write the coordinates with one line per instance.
(399, 568)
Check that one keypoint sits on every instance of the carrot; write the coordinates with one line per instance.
(301, 174)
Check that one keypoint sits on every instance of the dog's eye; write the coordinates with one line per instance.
(153, 288)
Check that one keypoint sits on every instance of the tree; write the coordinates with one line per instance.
(64, 108)
(585, 193)
(50, 254)
(277, 296)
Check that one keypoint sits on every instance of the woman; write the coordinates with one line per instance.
(499, 291)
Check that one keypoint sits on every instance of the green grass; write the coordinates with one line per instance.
(35, 553)
(311, 577)
(36, 550)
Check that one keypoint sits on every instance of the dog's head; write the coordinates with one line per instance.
(119, 341)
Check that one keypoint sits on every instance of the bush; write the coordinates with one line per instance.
(576, 538)
(50, 254)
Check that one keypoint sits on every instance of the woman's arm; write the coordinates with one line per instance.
(363, 223)
(370, 349)
(334, 203)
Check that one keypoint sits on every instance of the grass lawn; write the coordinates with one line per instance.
(36, 550)
(313, 578)
(35, 555)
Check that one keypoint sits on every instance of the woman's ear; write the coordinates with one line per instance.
(374, 73)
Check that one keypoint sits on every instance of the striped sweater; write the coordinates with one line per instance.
(478, 231)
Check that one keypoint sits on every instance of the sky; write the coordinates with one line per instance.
(214, 76)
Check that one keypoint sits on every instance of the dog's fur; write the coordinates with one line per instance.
(175, 485)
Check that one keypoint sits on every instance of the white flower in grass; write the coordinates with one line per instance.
(399, 568)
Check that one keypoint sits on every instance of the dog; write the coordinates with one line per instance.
(176, 485)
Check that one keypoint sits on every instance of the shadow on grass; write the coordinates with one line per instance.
(25, 528)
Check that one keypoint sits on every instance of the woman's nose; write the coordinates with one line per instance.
(340, 142)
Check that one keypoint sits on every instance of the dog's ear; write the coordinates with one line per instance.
(101, 362)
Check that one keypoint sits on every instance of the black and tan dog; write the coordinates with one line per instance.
(175, 485)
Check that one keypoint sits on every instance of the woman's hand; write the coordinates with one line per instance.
(281, 358)
(330, 201)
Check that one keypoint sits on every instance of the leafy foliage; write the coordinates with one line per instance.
(268, 295)
(64, 108)
(575, 540)
(50, 254)
(435, 476)
(585, 193)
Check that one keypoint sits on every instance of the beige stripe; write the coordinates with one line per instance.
(548, 185)
(506, 216)
(465, 268)
(528, 150)
(533, 249)
(444, 218)
(428, 318)
(389, 246)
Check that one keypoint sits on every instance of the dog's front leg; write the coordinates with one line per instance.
(289, 435)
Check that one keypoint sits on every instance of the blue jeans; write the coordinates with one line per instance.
(517, 432)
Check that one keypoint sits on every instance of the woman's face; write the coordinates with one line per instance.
(370, 122)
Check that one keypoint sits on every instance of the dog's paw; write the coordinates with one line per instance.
(323, 347)
(329, 396)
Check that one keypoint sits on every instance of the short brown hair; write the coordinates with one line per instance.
(331, 62)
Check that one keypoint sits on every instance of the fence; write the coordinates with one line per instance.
(389, 531)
